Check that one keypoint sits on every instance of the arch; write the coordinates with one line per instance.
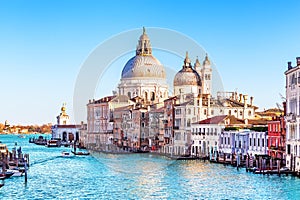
(146, 96)
(129, 94)
(152, 96)
(64, 136)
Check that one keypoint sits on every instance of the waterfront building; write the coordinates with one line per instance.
(194, 102)
(206, 134)
(292, 118)
(244, 142)
(100, 119)
(276, 135)
(156, 127)
(169, 124)
(63, 129)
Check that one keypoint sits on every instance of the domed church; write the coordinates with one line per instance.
(143, 75)
(195, 80)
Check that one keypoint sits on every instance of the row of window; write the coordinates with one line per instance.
(252, 142)
(204, 131)
(178, 112)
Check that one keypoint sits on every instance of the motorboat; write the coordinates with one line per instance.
(53, 143)
(65, 154)
(15, 172)
(80, 153)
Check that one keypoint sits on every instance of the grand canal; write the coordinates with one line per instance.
(136, 176)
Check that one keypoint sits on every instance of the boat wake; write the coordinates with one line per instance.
(44, 160)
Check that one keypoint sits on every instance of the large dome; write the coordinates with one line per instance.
(187, 76)
(143, 66)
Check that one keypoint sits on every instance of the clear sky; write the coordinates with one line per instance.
(44, 43)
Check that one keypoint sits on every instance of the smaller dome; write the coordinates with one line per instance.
(187, 75)
(63, 108)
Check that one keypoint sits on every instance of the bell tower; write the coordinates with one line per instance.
(206, 76)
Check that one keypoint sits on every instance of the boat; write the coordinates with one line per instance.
(1, 185)
(65, 154)
(21, 136)
(40, 141)
(53, 143)
(80, 153)
(2, 176)
(6, 174)
(15, 172)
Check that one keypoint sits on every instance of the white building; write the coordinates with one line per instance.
(293, 116)
(243, 141)
(63, 130)
(206, 134)
(192, 87)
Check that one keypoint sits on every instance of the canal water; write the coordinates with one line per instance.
(136, 176)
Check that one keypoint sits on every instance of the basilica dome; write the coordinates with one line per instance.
(143, 66)
(187, 75)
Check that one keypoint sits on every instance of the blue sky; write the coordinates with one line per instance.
(44, 43)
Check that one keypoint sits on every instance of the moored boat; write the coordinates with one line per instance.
(53, 143)
(80, 153)
(15, 172)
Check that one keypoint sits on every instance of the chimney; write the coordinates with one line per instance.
(251, 101)
(241, 95)
(298, 61)
(284, 108)
(290, 65)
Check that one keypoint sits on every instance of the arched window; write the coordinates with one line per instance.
(129, 94)
(146, 96)
(229, 112)
(152, 96)
(188, 123)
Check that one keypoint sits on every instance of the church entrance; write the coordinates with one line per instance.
(71, 137)
(64, 139)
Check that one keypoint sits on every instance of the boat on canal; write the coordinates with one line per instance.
(66, 154)
(80, 153)
(53, 143)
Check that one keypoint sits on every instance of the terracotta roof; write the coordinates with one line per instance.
(235, 121)
(212, 120)
(104, 99)
(257, 121)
